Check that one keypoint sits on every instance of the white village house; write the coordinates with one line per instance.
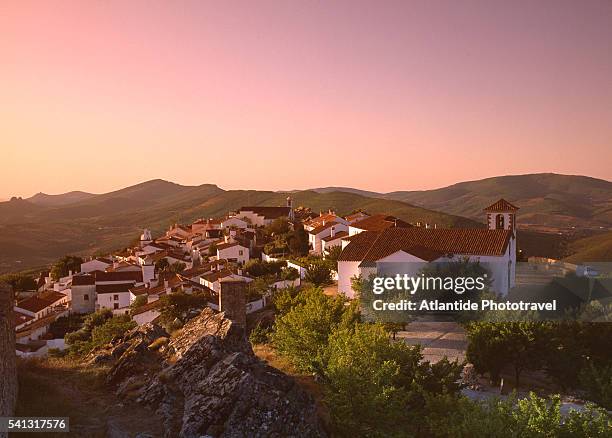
(495, 246)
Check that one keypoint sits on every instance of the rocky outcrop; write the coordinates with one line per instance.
(8, 368)
(206, 381)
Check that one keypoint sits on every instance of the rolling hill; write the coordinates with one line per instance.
(58, 200)
(597, 248)
(35, 235)
(545, 199)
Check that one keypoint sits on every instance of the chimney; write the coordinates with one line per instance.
(333, 231)
(395, 222)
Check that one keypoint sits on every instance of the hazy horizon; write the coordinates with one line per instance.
(270, 95)
(273, 190)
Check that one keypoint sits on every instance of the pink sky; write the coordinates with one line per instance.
(97, 95)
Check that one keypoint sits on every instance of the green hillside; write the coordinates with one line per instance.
(33, 235)
(544, 199)
(597, 248)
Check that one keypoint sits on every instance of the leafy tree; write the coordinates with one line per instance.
(278, 226)
(258, 268)
(531, 417)
(80, 342)
(287, 298)
(260, 334)
(290, 274)
(394, 328)
(140, 301)
(113, 327)
(367, 379)
(177, 267)
(162, 265)
(19, 282)
(521, 344)
(486, 349)
(212, 249)
(297, 241)
(376, 387)
(64, 265)
(318, 273)
(278, 246)
(177, 305)
(597, 382)
(259, 287)
(332, 256)
(301, 334)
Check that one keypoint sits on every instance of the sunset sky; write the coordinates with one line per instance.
(379, 95)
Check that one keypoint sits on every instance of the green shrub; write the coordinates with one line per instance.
(259, 334)
(302, 333)
(597, 382)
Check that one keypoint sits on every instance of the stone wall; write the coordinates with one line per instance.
(8, 370)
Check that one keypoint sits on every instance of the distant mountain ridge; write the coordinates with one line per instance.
(60, 199)
(545, 199)
(33, 235)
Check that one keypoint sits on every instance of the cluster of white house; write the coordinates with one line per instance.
(214, 250)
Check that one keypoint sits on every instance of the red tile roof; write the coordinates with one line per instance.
(214, 276)
(21, 318)
(153, 305)
(338, 235)
(119, 276)
(379, 222)
(427, 244)
(41, 301)
(227, 245)
(321, 228)
(501, 205)
(113, 288)
(318, 220)
(358, 247)
(83, 280)
(140, 290)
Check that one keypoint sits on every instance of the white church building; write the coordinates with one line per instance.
(495, 247)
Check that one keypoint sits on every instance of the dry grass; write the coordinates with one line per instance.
(63, 387)
(158, 343)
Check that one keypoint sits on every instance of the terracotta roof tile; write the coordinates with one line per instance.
(113, 288)
(119, 276)
(338, 235)
(501, 205)
(153, 305)
(428, 243)
(83, 280)
(40, 301)
(358, 247)
(322, 228)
